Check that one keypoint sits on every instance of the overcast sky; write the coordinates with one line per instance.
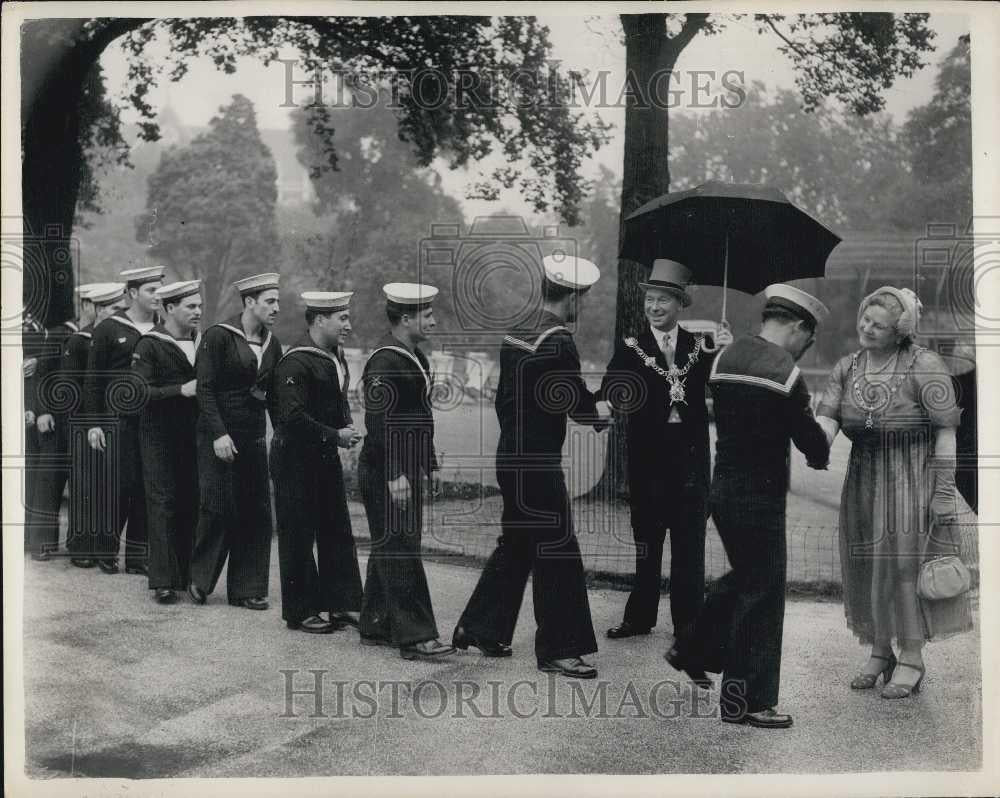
(581, 43)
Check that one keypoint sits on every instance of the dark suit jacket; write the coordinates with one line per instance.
(643, 397)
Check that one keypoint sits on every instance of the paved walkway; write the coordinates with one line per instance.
(118, 686)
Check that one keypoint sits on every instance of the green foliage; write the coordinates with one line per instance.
(839, 167)
(375, 209)
(543, 142)
(938, 139)
(851, 56)
(210, 205)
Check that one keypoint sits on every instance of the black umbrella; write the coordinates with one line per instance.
(734, 235)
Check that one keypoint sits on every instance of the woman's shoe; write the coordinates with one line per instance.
(896, 690)
(866, 681)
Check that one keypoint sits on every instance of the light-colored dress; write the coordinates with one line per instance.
(885, 512)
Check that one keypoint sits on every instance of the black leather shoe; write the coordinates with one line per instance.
(765, 719)
(626, 629)
(108, 566)
(428, 650)
(568, 666)
(695, 674)
(313, 625)
(82, 562)
(139, 570)
(41, 556)
(197, 595)
(254, 603)
(490, 648)
(369, 640)
(165, 595)
(345, 619)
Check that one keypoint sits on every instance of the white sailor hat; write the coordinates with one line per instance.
(145, 274)
(409, 296)
(796, 301)
(174, 291)
(257, 283)
(570, 271)
(326, 301)
(105, 293)
(83, 290)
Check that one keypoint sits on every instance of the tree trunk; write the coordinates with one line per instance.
(50, 185)
(646, 175)
(57, 58)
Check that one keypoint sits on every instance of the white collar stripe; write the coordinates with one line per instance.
(127, 322)
(538, 341)
(408, 354)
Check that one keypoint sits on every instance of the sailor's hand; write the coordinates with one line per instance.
(399, 489)
(189, 388)
(95, 437)
(46, 423)
(225, 449)
(348, 437)
(723, 337)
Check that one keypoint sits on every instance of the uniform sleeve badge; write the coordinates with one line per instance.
(122, 340)
(289, 381)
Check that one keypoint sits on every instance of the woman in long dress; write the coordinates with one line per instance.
(894, 400)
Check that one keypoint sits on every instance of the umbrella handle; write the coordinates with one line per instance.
(715, 346)
(725, 291)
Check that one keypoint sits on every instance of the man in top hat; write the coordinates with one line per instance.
(398, 454)
(235, 364)
(164, 360)
(539, 387)
(312, 421)
(761, 403)
(86, 473)
(666, 429)
(51, 391)
(112, 402)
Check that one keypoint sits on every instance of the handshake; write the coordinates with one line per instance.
(604, 415)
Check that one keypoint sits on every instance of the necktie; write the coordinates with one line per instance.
(668, 350)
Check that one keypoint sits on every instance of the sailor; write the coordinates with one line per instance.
(164, 360)
(55, 397)
(312, 421)
(86, 465)
(540, 387)
(761, 403)
(235, 364)
(112, 401)
(397, 456)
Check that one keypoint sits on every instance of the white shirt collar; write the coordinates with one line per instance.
(671, 336)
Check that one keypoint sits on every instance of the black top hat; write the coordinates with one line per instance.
(669, 275)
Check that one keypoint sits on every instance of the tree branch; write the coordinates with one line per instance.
(693, 23)
(116, 28)
(798, 50)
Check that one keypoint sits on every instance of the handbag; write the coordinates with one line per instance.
(943, 578)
